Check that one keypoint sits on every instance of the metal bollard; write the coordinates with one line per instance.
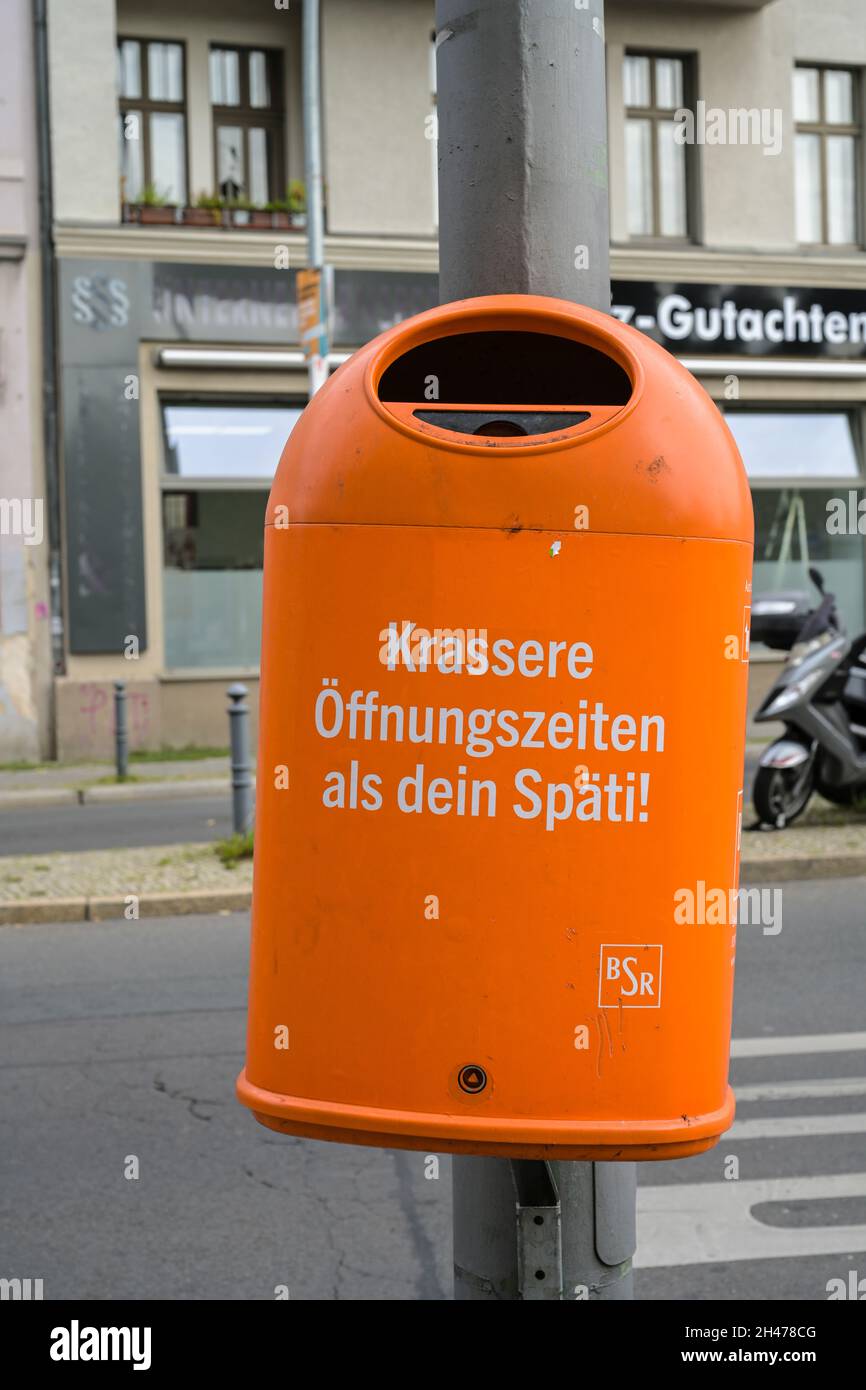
(121, 735)
(242, 782)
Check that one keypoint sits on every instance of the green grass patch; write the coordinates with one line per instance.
(190, 754)
(231, 851)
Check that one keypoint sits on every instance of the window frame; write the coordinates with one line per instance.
(855, 413)
(181, 482)
(655, 115)
(822, 128)
(146, 106)
(271, 117)
(167, 392)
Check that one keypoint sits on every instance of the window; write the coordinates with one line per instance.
(827, 153)
(246, 95)
(219, 461)
(800, 465)
(151, 87)
(656, 172)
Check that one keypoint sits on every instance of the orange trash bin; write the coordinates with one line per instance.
(503, 700)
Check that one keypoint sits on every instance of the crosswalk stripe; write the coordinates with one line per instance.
(822, 1088)
(700, 1223)
(713, 1222)
(793, 1046)
(796, 1126)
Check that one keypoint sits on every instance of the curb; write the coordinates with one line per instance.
(794, 867)
(210, 900)
(154, 791)
(120, 791)
(182, 904)
(40, 796)
(33, 910)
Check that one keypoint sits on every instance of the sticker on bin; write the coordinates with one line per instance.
(630, 977)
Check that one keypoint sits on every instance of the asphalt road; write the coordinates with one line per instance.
(122, 1042)
(104, 825)
(44, 829)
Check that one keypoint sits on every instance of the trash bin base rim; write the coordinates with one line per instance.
(577, 1140)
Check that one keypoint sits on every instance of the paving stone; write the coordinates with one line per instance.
(116, 873)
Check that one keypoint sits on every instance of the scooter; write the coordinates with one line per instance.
(821, 697)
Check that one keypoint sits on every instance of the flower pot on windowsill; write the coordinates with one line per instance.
(259, 219)
(203, 217)
(157, 216)
(278, 219)
(297, 219)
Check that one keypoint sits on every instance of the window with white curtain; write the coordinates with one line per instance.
(656, 164)
(152, 121)
(826, 156)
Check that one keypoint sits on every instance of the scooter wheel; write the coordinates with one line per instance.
(780, 795)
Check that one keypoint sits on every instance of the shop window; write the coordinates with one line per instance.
(151, 98)
(826, 156)
(246, 96)
(805, 474)
(219, 461)
(654, 89)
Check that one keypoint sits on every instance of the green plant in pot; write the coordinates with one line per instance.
(207, 209)
(154, 205)
(150, 197)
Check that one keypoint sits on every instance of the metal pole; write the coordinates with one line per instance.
(242, 782)
(48, 285)
(523, 198)
(523, 209)
(121, 736)
(311, 85)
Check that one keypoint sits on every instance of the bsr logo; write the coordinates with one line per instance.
(630, 977)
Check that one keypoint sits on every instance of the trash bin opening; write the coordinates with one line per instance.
(506, 367)
(502, 424)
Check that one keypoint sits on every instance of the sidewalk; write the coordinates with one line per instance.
(168, 880)
(58, 785)
(173, 880)
(816, 848)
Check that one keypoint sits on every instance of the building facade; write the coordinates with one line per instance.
(738, 203)
(25, 629)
